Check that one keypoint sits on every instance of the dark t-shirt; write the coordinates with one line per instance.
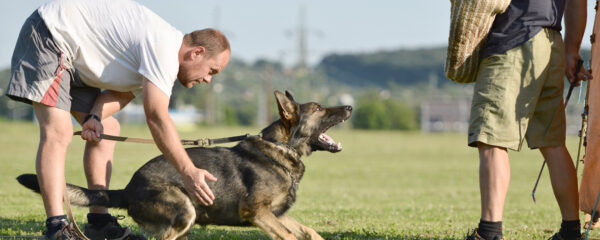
(520, 22)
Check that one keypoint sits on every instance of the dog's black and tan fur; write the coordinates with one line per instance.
(258, 179)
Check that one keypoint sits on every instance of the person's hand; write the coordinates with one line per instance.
(194, 180)
(92, 129)
(582, 75)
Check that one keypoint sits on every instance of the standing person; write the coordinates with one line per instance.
(519, 95)
(67, 51)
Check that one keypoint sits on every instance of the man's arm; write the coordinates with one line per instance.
(107, 103)
(165, 136)
(575, 20)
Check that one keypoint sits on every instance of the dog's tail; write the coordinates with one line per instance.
(81, 196)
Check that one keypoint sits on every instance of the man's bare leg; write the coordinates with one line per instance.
(56, 132)
(564, 184)
(564, 180)
(494, 178)
(98, 158)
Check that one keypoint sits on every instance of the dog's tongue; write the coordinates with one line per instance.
(330, 141)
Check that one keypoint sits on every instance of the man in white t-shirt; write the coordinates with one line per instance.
(67, 52)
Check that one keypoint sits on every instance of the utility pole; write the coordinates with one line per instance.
(301, 68)
(302, 39)
(268, 86)
(212, 109)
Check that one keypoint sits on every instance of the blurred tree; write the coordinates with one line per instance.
(374, 112)
(244, 94)
(231, 118)
(12, 109)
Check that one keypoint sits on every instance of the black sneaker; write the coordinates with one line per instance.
(475, 236)
(66, 232)
(557, 236)
(111, 231)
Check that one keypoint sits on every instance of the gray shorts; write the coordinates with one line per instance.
(39, 75)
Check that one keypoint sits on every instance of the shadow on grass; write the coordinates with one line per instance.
(254, 233)
(27, 228)
(365, 236)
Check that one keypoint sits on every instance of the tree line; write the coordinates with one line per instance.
(385, 88)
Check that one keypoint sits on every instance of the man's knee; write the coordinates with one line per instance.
(55, 125)
(483, 147)
(555, 152)
(56, 136)
(111, 126)
(553, 149)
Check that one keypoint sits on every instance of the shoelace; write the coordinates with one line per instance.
(68, 232)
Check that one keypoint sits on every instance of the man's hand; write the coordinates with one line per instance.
(92, 129)
(194, 180)
(582, 75)
(575, 19)
(156, 107)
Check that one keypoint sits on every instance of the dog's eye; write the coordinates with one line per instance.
(319, 108)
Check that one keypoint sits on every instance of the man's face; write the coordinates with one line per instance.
(200, 67)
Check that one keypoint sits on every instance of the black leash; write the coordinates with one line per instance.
(203, 142)
(221, 140)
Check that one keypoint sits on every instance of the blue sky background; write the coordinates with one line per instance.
(266, 28)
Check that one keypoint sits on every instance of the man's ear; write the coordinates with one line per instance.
(198, 51)
(287, 108)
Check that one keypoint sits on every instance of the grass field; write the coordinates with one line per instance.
(383, 185)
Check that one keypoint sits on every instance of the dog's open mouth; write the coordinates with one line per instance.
(329, 144)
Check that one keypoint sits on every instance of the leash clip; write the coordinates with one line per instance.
(204, 142)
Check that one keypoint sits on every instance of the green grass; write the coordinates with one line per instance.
(383, 185)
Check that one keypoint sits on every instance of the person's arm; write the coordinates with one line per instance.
(106, 104)
(156, 104)
(575, 20)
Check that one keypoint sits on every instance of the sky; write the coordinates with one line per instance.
(267, 29)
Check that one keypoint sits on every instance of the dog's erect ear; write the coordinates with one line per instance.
(286, 106)
(289, 95)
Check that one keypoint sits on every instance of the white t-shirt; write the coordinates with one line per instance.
(114, 44)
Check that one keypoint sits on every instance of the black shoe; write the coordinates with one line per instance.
(111, 231)
(66, 232)
(475, 236)
(557, 236)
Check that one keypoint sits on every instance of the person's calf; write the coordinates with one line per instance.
(564, 180)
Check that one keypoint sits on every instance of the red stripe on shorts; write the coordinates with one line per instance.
(51, 96)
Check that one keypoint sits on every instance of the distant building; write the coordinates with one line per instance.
(443, 114)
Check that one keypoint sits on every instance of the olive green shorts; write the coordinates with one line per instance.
(519, 95)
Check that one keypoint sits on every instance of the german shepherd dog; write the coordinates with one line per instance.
(258, 179)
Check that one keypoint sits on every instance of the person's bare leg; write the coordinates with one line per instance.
(564, 180)
(98, 158)
(494, 178)
(56, 131)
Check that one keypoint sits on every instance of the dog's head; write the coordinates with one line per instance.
(303, 126)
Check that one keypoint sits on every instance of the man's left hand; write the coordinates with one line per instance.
(582, 75)
(92, 129)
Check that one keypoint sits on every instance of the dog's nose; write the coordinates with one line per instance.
(349, 108)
